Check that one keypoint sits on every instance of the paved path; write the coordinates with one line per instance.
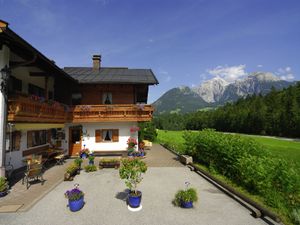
(21, 199)
(160, 157)
(105, 204)
(105, 196)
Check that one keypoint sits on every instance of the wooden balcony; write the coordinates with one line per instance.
(111, 113)
(26, 109)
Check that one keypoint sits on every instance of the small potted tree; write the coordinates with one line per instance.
(131, 171)
(3, 186)
(76, 198)
(185, 198)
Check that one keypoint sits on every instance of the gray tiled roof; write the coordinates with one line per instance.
(112, 75)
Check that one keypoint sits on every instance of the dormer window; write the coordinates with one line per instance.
(107, 98)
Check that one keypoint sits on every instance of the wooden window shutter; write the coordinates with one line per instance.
(115, 136)
(29, 139)
(98, 135)
(17, 140)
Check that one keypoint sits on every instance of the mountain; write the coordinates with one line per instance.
(211, 90)
(255, 83)
(217, 91)
(180, 100)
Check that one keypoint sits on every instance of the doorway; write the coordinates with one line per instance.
(74, 140)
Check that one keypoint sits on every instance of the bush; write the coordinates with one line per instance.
(3, 184)
(147, 131)
(72, 168)
(78, 161)
(90, 168)
(249, 165)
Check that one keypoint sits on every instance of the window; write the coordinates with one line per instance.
(37, 137)
(107, 135)
(35, 90)
(107, 98)
(76, 98)
(13, 141)
(15, 85)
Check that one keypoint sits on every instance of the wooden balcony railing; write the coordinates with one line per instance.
(26, 109)
(108, 113)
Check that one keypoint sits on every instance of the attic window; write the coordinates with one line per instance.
(107, 98)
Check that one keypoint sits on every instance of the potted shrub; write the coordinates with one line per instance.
(90, 168)
(75, 197)
(91, 159)
(185, 198)
(131, 171)
(78, 162)
(84, 153)
(3, 186)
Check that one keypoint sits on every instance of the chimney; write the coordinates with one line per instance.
(96, 62)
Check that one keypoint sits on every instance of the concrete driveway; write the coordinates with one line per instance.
(105, 204)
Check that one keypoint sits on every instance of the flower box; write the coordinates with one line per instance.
(109, 163)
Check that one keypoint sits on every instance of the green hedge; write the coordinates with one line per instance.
(249, 165)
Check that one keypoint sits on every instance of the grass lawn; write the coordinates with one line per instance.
(290, 150)
(173, 139)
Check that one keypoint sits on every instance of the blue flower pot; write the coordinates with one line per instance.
(83, 155)
(135, 201)
(142, 154)
(186, 204)
(76, 205)
(91, 162)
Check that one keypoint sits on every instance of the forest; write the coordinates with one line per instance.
(276, 114)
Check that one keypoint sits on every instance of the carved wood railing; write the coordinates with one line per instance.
(108, 113)
(26, 109)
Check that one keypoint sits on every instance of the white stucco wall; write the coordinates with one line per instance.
(4, 60)
(89, 139)
(15, 158)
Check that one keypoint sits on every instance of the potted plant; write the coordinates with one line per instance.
(131, 171)
(90, 168)
(91, 159)
(78, 162)
(3, 186)
(71, 171)
(84, 153)
(185, 198)
(75, 197)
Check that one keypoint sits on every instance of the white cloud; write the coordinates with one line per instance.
(150, 40)
(285, 73)
(288, 69)
(259, 66)
(228, 73)
(287, 77)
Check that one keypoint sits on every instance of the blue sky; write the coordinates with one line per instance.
(184, 42)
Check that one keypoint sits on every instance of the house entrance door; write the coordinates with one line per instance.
(74, 140)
